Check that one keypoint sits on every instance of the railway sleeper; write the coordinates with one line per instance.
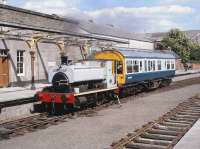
(12, 126)
(163, 132)
(163, 127)
(152, 141)
(193, 106)
(183, 119)
(190, 111)
(189, 119)
(178, 121)
(158, 136)
(5, 132)
(190, 104)
(187, 116)
(187, 113)
(144, 146)
(174, 124)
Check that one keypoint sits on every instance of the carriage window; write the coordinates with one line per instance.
(168, 65)
(145, 65)
(140, 66)
(154, 65)
(165, 64)
(129, 66)
(159, 64)
(149, 65)
(136, 66)
(172, 65)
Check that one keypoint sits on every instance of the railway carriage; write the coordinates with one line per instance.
(141, 67)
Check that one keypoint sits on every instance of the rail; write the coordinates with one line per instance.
(165, 132)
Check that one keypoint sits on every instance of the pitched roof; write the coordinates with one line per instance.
(109, 30)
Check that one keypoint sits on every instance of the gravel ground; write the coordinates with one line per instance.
(104, 127)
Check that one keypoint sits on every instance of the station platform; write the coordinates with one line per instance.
(191, 139)
(15, 93)
(183, 72)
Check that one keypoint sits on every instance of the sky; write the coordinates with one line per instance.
(141, 16)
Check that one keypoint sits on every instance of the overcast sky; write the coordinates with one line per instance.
(134, 15)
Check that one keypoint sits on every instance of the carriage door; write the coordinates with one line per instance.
(118, 69)
(4, 69)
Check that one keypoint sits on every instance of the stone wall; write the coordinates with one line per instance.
(47, 57)
(196, 66)
(179, 65)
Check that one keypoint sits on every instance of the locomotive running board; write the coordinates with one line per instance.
(95, 91)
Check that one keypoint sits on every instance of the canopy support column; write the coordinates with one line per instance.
(32, 46)
(61, 46)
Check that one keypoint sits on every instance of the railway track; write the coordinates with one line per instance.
(165, 132)
(37, 122)
(174, 85)
(33, 123)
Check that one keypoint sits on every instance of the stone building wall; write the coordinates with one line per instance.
(47, 56)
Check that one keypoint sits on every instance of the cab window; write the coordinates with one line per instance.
(119, 67)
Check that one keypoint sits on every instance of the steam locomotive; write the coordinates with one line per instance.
(111, 73)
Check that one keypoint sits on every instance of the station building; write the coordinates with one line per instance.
(19, 32)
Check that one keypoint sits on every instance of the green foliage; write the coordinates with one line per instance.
(179, 43)
(195, 52)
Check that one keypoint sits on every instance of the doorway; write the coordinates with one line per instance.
(4, 71)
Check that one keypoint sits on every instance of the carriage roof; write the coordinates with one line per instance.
(157, 54)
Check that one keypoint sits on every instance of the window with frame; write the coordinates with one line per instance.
(145, 65)
(141, 65)
(159, 64)
(154, 65)
(149, 65)
(3, 52)
(119, 67)
(165, 64)
(129, 67)
(136, 66)
(172, 65)
(20, 62)
(168, 64)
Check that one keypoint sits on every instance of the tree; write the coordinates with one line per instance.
(177, 41)
(195, 52)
